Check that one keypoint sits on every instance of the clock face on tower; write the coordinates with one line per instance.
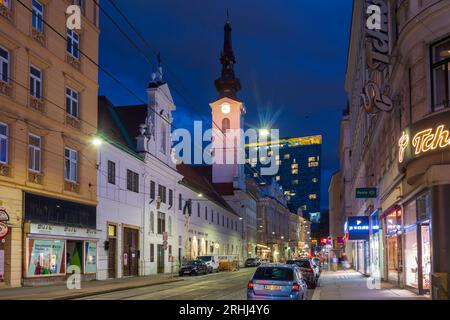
(226, 108)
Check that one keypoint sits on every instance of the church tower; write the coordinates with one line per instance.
(227, 120)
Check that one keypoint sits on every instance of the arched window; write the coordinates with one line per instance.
(225, 125)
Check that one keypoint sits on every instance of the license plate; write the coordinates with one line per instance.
(272, 288)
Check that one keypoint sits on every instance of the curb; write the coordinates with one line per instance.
(89, 294)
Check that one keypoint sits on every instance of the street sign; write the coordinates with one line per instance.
(366, 193)
(358, 228)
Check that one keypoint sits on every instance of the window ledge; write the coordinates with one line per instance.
(73, 122)
(35, 177)
(5, 170)
(74, 62)
(38, 36)
(6, 89)
(37, 104)
(71, 186)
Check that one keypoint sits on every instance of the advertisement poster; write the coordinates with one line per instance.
(46, 257)
(91, 257)
(2, 264)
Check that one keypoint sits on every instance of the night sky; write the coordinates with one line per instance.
(291, 59)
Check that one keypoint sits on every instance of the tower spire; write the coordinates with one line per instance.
(227, 85)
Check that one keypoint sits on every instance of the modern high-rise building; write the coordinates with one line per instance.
(299, 171)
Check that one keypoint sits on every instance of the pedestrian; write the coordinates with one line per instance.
(334, 262)
(344, 260)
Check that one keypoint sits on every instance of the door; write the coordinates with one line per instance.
(130, 252)
(112, 257)
(160, 261)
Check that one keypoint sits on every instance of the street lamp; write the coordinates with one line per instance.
(264, 132)
(97, 142)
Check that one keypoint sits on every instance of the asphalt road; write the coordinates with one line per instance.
(218, 286)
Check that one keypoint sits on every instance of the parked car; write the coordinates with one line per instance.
(252, 262)
(277, 282)
(212, 262)
(307, 270)
(194, 267)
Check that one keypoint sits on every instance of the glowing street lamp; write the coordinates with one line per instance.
(264, 132)
(97, 142)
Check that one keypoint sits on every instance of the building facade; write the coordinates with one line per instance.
(400, 141)
(299, 171)
(48, 94)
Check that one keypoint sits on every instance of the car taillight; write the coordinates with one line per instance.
(250, 285)
(295, 287)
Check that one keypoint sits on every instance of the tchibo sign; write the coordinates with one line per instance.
(425, 137)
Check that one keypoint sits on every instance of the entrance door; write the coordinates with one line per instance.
(426, 258)
(160, 258)
(112, 257)
(130, 252)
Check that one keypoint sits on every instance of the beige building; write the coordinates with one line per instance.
(48, 116)
(399, 120)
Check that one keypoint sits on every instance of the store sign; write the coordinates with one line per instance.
(366, 193)
(47, 229)
(376, 92)
(425, 137)
(358, 228)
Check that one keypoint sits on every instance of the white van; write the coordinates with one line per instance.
(212, 263)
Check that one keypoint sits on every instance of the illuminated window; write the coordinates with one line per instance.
(247, 160)
(269, 153)
(254, 160)
(294, 166)
(277, 157)
(262, 159)
(441, 74)
(279, 162)
(313, 164)
(287, 156)
(315, 180)
(277, 178)
(295, 171)
(313, 196)
(255, 175)
(311, 159)
(253, 165)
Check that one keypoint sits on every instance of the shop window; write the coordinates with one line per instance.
(440, 70)
(6, 3)
(90, 258)
(47, 257)
(411, 257)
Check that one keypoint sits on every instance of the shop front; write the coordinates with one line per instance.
(53, 251)
(357, 232)
(376, 265)
(392, 222)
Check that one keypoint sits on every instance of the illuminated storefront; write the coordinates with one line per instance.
(376, 238)
(392, 221)
(60, 239)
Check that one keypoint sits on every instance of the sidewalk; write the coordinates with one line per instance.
(351, 285)
(60, 292)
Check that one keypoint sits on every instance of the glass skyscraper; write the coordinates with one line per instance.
(299, 171)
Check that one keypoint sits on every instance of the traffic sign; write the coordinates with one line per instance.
(366, 193)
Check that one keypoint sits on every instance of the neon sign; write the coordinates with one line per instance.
(424, 137)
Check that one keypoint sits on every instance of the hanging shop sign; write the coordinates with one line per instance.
(4, 216)
(358, 228)
(366, 193)
(428, 136)
(376, 92)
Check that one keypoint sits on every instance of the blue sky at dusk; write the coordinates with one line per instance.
(291, 60)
